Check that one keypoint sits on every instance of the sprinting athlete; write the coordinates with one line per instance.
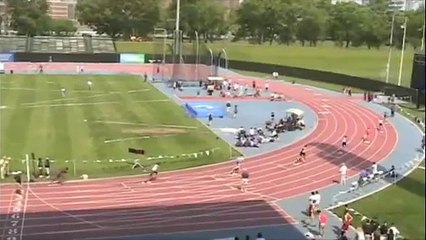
(60, 177)
(237, 167)
(365, 137)
(154, 173)
(380, 125)
(244, 180)
(344, 141)
(302, 153)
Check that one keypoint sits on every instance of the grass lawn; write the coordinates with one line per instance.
(73, 129)
(402, 204)
(352, 61)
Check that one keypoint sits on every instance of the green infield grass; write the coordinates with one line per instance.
(360, 61)
(402, 203)
(91, 130)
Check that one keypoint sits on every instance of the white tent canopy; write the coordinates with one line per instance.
(216, 79)
(295, 111)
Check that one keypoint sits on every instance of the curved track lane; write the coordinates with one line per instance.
(205, 198)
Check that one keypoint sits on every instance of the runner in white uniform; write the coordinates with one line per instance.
(237, 167)
(344, 141)
(154, 173)
(89, 84)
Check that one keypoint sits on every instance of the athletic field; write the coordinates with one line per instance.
(90, 131)
(360, 61)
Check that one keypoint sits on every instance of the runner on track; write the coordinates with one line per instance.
(302, 156)
(154, 173)
(237, 167)
(60, 177)
(379, 128)
(244, 180)
(344, 141)
(365, 137)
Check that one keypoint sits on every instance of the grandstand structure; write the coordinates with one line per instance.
(48, 44)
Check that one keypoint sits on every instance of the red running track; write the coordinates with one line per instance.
(205, 198)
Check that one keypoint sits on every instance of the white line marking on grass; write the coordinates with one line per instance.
(63, 212)
(421, 167)
(142, 90)
(125, 139)
(65, 99)
(88, 104)
(136, 138)
(145, 124)
(3, 107)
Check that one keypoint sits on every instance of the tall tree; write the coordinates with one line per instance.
(204, 16)
(264, 20)
(119, 17)
(28, 17)
(345, 22)
(310, 26)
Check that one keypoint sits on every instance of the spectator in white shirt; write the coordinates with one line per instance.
(343, 170)
(374, 168)
(394, 230)
(317, 198)
(312, 197)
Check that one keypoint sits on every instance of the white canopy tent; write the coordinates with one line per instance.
(216, 79)
(299, 113)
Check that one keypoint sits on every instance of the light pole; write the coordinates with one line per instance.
(422, 47)
(225, 55)
(197, 60)
(177, 32)
(211, 62)
(390, 49)
(401, 63)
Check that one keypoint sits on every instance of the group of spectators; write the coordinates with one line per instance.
(371, 229)
(372, 174)
(291, 123)
(254, 137)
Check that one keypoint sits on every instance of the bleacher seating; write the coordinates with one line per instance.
(58, 44)
(10, 44)
(49, 44)
(102, 45)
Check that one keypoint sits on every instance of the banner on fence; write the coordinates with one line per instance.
(132, 58)
(7, 57)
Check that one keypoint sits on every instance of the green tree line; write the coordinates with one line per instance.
(258, 21)
(29, 17)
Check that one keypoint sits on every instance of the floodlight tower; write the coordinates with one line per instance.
(178, 36)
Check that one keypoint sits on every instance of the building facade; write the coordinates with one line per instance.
(2, 7)
(62, 9)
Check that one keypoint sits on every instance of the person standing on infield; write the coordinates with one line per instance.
(89, 85)
(210, 119)
(235, 111)
(343, 170)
